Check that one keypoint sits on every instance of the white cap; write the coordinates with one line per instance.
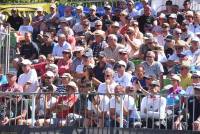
(40, 9)
(195, 39)
(121, 62)
(78, 48)
(79, 7)
(116, 24)
(93, 7)
(53, 5)
(49, 74)
(176, 77)
(189, 13)
(173, 16)
(26, 62)
(52, 67)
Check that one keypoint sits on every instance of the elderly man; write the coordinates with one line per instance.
(112, 50)
(28, 79)
(153, 67)
(153, 107)
(60, 46)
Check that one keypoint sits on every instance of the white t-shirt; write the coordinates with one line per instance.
(155, 107)
(31, 77)
(124, 80)
(102, 87)
(128, 102)
(103, 106)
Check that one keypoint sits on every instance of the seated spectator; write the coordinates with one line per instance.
(153, 107)
(185, 75)
(28, 49)
(97, 111)
(124, 55)
(46, 48)
(78, 57)
(64, 105)
(60, 46)
(153, 67)
(14, 19)
(122, 77)
(65, 79)
(193, 120)
(108, 86)
(69, 38)
(28, 80)
(65, 63)
(100, 67)
(129, 110)
(12, 84)
(112, 50)
(25, 27)
(195, 80)
(17, 110)
(99, 43)
(48, 81)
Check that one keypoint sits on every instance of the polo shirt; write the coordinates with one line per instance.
(57, 49)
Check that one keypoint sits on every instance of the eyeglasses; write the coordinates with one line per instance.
(122, 53)
(47, 77)
(98, 25)
(129, 32)
(178, 48)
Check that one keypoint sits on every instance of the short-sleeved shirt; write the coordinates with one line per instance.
(129, 103)
(113, 54)
(58, 50)
(155, 69)
(124, 80)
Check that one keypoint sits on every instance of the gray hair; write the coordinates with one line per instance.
(113, 36)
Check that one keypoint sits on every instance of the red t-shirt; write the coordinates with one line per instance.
(69, 100)
(64, 66)
(40, 67)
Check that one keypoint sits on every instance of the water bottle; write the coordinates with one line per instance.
(54, 119)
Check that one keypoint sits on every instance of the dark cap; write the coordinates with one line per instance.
(168, 3)
(169, 38)
(102, 54)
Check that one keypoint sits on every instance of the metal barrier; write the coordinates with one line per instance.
(5, 49)
(93, 110)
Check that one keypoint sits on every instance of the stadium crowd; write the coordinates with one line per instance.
(83, 63)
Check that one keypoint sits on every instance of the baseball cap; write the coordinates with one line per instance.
(79, 7)
(123, 50)
(195, 39)
(196, 86)
(93, 7)
(73, 85)
(176, 77)
(26, 62)
(49, 74)
(99, 32)
(155, 82)
(174, 16)
(67, 75)
(13, 73)
(169, 38)
(115, 24)
(102, 54)
(39, 9)
(88, 54)
(53, 5)
(196, 74)
(107, 7)
(148, 36)
(78, 48)
(67, 51)
(121, 62)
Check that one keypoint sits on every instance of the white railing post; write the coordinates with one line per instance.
(33, 110)
(122, 111)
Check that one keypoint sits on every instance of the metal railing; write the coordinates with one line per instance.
(5, 48)
(94, 110)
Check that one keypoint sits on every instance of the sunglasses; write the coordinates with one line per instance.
(195, 77)
(129, 32)
(153, 85)
(122, 53)
(47, 77)
(178, 48)
(107, 75)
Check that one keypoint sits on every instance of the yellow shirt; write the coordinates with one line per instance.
(187, 81)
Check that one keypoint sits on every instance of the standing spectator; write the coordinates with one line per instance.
(15, 20)
(79, 14)
(132, 12)
(28, 79)
(29, 49)
(153, 107)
